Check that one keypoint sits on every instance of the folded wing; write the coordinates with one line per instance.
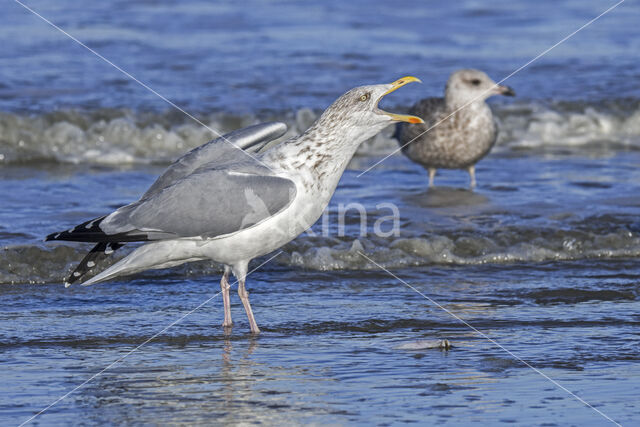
(237, 146)
(208, 203)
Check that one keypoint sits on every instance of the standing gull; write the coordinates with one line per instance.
(463, 130)
(218, 203)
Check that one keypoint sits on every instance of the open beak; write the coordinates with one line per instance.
(505, 90)
(395, 86)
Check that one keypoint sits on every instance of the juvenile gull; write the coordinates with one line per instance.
(217, 203)
(458, 141)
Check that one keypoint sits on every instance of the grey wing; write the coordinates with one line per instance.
(207, 203)
(428, 109)
(220, 151)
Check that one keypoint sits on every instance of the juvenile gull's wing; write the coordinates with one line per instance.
(430, 110)
(220, 151)
(210, 202)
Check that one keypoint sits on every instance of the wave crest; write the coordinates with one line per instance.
(120, 136)
(40, 264)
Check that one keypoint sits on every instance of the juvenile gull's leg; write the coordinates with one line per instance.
(472, 175)
(432, 174)
(226, 300)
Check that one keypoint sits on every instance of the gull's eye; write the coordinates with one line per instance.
(475, 82)
(364, 97)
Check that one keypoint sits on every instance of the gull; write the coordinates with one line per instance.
(220, 203)
(459, 128)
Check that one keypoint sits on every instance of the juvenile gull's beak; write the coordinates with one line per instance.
(395, 86)
(505, 90)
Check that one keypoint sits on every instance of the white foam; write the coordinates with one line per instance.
(515, 246)
(120, 136)
(425, 345)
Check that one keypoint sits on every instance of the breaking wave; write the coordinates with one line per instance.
(609, 124)
(510, 246)
(120, 136)
(332, 253)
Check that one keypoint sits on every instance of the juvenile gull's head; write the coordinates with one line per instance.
(469, 85)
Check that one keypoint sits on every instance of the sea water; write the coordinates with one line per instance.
(542, 257)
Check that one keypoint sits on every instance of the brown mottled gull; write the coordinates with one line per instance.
(463, 127)
(219, 203)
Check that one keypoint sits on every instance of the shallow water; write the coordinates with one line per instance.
(541, 257)
(555, 282)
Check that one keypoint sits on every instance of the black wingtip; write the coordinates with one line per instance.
(99, 252)
(88, 231)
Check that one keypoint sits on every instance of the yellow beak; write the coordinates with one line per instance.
(395, 86)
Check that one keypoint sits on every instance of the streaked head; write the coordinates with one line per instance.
(469, 85)
(358, 108)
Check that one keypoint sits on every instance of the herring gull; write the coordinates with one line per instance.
(218, 203)
(459, 129)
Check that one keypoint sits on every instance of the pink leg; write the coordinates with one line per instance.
(432, 175)
(472, 176)
(226, 300)
(244, 297)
